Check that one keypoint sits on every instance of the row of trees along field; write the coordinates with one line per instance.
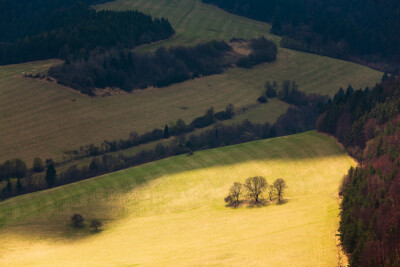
(300, 117)
(173, 129)
(360, 30)
(36, 30)
(121, 68)
(368, 124)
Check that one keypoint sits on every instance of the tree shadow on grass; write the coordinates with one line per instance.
(253, 204)
(257, 204)
(249, 204)
(283, 202)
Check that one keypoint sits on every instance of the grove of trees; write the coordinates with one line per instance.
(254, 188)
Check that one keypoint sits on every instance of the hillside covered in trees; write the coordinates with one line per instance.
(368, 124)
(365, 31)
(36, 30)
(126, 70)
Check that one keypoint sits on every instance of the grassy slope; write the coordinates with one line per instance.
(42, 119)
(194, 21)
(172, 211)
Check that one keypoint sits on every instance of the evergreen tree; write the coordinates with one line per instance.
(51, 175)
(9, 186)
(38, 165)
(19, 185)
(166, 131)
(20, 168)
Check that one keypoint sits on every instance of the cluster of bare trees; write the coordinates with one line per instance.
(254, 188)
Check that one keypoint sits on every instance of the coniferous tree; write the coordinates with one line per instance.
(19, 185)
(166, 132)
(38, 165)
(51, 175)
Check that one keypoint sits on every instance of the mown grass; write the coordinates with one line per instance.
(43, 119)
(172, 212)
(194, 22)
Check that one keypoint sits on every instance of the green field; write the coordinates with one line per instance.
(172, 212)
(194, 21)
(43, 119)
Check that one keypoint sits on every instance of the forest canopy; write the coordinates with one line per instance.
(365, 31)
(36, 30)
(126, 70)
(367, 122)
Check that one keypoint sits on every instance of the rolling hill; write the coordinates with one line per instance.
(172, 211)
(44, 119)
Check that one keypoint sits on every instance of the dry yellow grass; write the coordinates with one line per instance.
(172, 212)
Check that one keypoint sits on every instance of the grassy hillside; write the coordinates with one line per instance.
(194, 21)
(43, 119)
(175, 207)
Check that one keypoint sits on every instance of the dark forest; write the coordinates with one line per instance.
(128, 70)
(71, 29)
(367, 122)
(365, 31)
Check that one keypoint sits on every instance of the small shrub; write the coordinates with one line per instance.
(77, 220)
(230, 200)
(262, 99)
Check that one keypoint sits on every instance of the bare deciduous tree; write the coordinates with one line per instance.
(236, 191)
(271, 192)
(96, 224)
(255, 186)
(280, 187)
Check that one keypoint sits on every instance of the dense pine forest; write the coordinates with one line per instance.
(36, 30)
(368, 124)
(365, 31)
(126, 70)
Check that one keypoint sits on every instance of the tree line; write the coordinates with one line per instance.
(121, 68)
(254, 188)
(183, 143)
(263, 50)
(359, 30)
(71, 29)
(352, 115)
(303, 113)
(17, 169)
(367, 122)
(300, 117)
(175, 129)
